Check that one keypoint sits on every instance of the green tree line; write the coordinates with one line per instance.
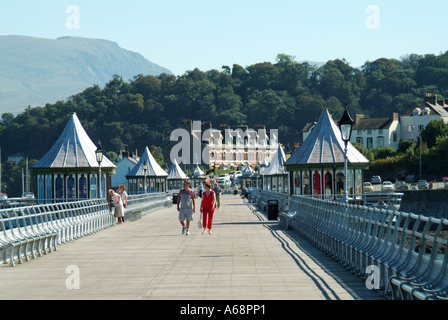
(284, 95)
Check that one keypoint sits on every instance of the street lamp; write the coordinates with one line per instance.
(99, 158)
(145, 167)
(345, 125)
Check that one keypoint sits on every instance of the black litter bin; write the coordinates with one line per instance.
(273, 209)
(175, 196)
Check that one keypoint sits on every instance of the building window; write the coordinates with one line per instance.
(421, 127)
(395, 137)
(380, 131)
(369, 143)
(359, 141)
(369, 131)
(411, 128)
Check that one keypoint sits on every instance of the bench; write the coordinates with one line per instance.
(33, 231)
(409, 250)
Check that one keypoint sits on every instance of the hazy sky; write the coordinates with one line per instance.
(182, 35)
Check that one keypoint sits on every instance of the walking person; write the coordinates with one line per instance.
(124, 197)
(119, 210)
(186, 206)
(208, 204)
(217, 190)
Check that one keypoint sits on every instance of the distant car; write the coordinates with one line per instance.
(28, 195)
(422, 185)
(375, 180)
(401, 185)
(414, 186)
(387, 186)
(367, 186)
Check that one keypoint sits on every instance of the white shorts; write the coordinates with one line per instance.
(186, 214)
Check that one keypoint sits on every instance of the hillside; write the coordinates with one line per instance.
(35, 71)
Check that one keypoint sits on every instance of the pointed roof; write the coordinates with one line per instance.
(264, 163)
(197, 172)
(175, 172)
(324, 145)
(73, 149)
(275, 167)
(247, 171)
(153, 170)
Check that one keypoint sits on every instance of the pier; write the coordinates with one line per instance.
(248, 257)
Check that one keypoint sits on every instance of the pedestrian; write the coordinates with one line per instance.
(186, 206)
(208, 205)
(119, 210)
(200, 189)
(217, 190)
(124, 197)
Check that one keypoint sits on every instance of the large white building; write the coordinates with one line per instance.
(376, 132)
(413, 122)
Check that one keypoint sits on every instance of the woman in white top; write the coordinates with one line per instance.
(124, 197)
(119, 210)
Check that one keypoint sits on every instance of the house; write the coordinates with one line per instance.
(126, 162)
(17, 157)
(413, 122)
(197, 143)
(376, 132)
(307, 130)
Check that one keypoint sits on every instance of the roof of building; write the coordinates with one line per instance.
(73, 149)
(308, 126)
(372, 123)
(435, 109)
(324, 145)
(154, 170)
(197, 172)
(275, 167)
(175, 172)
(247, 170)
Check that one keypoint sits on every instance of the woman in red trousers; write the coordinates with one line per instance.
(208, 207)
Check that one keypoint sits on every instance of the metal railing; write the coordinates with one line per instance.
(408, 251)
(32, 231)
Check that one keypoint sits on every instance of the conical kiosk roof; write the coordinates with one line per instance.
(324, 145)
(73, 149)
(175, 172)
(154, 170)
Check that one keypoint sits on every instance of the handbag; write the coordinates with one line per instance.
(200, 221)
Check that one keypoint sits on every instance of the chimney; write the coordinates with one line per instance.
(395, 116)
(432, 98)
(206, 125)
(358, 117)
(187, 125)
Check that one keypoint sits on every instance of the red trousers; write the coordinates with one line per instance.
(207, 216)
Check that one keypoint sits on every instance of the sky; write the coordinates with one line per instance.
(183, 35)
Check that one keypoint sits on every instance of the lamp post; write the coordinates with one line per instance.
(145, 167)
(345, 125)
(99, 158)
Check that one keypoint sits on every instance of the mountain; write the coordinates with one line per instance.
(36, 71)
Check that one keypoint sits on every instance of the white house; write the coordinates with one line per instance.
(413, 122)
(126, 162)
(376, 132)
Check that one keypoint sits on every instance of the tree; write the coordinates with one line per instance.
(434, 129)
